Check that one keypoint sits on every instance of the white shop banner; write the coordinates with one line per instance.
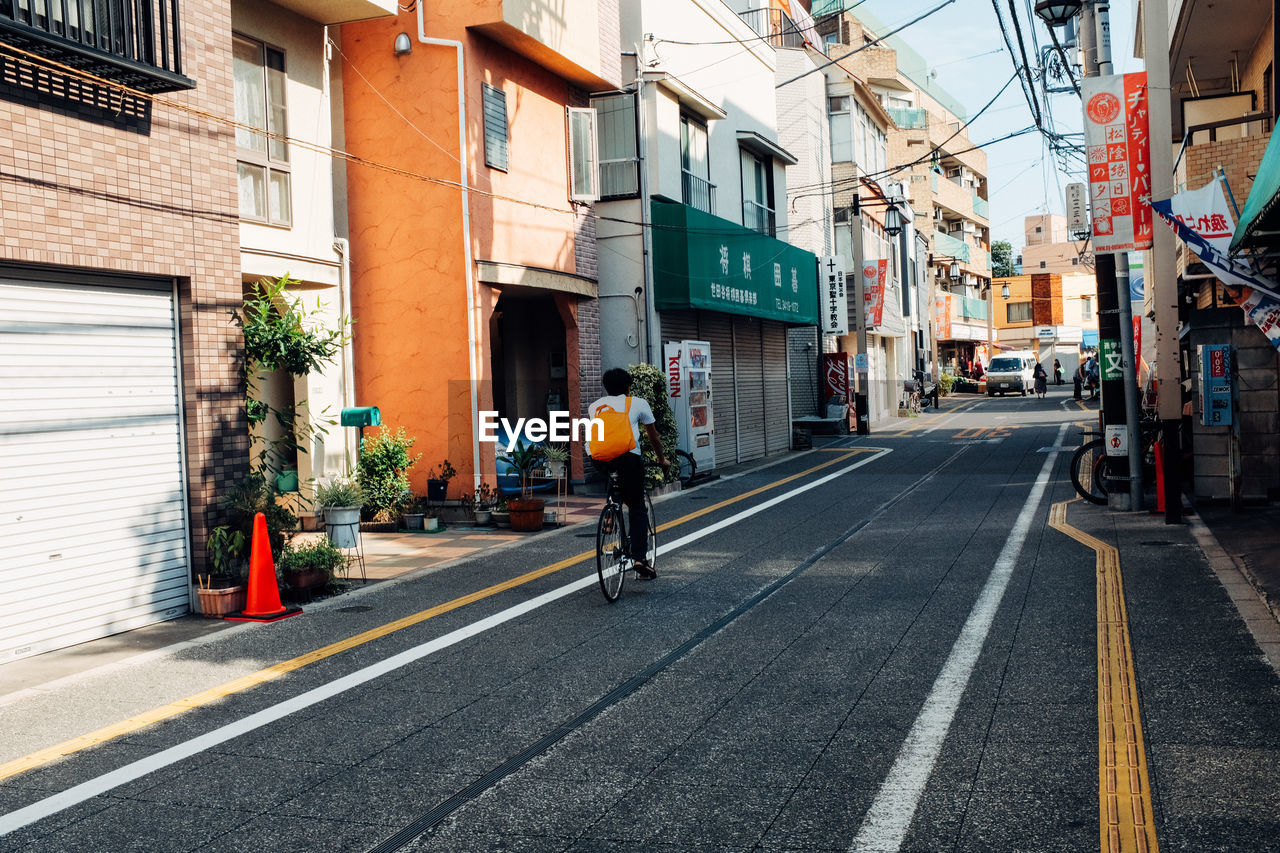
(834, 294)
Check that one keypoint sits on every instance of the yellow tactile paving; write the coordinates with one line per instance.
(1124, 788)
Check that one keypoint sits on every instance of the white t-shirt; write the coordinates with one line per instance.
(640, 413)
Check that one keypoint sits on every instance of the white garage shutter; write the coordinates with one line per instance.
(714, 328)
(92, 505)
(777, 424)
(749, 376)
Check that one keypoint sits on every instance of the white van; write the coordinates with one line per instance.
(1011, 373)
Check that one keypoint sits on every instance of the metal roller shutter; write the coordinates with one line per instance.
(679, 325)
(715, 330)
(803, 351)
(90, 426)
(747, 349)
(777, 424)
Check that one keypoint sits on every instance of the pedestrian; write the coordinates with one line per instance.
(1042, 380)
(1091, 376)
(1057, 372)
(977, 370)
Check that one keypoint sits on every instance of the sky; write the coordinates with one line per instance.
(962, 43)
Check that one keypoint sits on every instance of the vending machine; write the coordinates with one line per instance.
(688, 369)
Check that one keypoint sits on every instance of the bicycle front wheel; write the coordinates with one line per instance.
(685, 466)
(651, 551)
(1089, 458)
(610, 552)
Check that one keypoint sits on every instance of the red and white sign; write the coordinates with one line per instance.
(1119, 152)
(942, 316)
(874, 274)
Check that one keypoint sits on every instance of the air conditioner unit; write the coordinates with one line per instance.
(954, 171)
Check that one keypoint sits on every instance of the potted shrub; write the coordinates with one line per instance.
(526, 510)
(383, 466)
(414, 512)
(438, 481)
(557, 460)
(340, 501)
(501, 515)
(222, 591)
(313, 564)
(484, 500)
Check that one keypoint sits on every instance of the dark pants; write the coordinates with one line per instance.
(630, 470)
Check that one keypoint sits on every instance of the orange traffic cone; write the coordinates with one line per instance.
(263, 599)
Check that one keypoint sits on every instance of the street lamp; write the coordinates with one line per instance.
(1057, 13)
(954, 271)
(892, 220)
(1004, 291)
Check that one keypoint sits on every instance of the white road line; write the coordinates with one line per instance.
(885, 826)
(130, 772)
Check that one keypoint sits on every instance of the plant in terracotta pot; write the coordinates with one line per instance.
(340, 500)
(222, 591)
(526, 510)
(313, 564)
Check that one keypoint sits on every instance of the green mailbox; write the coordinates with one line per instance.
(361, 416)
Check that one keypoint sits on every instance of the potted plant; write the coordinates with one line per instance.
(383, 473)
(438, 481)
(340, 501)
(526, 510)
(413, 513)
(313, 564)
(501, 515)
(222, 592)
(484, 500)
(557, 460)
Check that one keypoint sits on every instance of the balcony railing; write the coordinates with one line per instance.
(945, 244)
(981, 207)
(619, 178)
(699, 193)
(775, 26)
(136, 43)
(757, 217)
(909, 118)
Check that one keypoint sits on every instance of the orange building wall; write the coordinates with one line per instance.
(408, 274)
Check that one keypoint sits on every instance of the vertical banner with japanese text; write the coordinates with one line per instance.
(1119, 154)
(833, 295)
(942, 316)
(874, 275)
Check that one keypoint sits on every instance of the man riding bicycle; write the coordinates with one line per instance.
(618, 452)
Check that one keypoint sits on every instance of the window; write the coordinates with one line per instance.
(1086, 308)
(1018, 312)
(495, 127)
(584, 177)
(1075, 261)
(841, 130)
(698, 189)
(1043, 264)
(262, 161)
(757, 193)
(1038, 229)
(616, 131)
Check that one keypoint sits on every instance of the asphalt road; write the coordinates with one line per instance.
(878, 645)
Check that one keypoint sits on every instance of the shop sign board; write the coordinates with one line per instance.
(1118, 149)
(835, 300)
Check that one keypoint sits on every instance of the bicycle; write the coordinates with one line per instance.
(613, 557)
(1091, 469)
(911, 396)
(686, 468)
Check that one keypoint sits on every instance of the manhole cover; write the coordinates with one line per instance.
(355, 608)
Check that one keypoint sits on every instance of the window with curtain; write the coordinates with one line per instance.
(694, 165)
(616, 141)
(757, 193)
(841, 129)
(262, 161)
(584, 179)
(1018, 312)
(1086, 308)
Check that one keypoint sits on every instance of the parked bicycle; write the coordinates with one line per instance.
(686, 468)
(1094, 474)
(613, 560)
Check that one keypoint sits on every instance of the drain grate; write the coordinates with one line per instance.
(1156, 543)
(355, 608)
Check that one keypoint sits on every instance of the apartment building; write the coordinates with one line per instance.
(1051, 314)
(1048, 248)
(473, 253)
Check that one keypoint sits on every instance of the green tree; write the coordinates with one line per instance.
(1001, 259)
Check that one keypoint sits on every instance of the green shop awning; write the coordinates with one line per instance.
(1262, 210)
(703, 261)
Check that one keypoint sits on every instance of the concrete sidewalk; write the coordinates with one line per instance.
(1251, 538)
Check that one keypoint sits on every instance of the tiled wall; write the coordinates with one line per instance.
(92, 180)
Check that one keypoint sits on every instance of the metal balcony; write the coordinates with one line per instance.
(757, 217)
(136, 43)
(699, 193)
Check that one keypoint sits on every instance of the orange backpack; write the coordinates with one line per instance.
(618, 437)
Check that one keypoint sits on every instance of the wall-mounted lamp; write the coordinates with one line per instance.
(954, 271)
(403, 45)
(1004, 291)
(892, 220)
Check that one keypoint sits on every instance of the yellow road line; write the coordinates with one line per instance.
(1124, 788)
(155, 715)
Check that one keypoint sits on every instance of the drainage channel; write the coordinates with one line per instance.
(445, 808)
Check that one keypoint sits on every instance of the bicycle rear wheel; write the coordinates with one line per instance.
(611, 549)
(1086, 468)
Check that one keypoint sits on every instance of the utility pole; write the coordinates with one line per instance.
(861, 412)
(1160, 278)
(1115, 323)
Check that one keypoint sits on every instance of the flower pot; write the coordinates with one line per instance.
(306, 580)
(342, 524)
(437, 490)
(413, 520)
(484, 516)
(287, 481)
(526, 514)
(216, 603)
(501, 518)
(431, 523)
